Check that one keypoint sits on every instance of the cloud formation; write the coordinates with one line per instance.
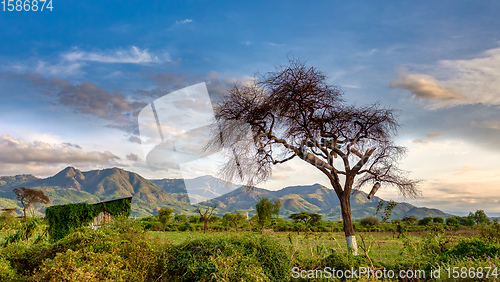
(18, 151)
(168, 82)
(133, 157)
(88, 98)
(491, 124)
(132, 56)
(461, 82)
(426, 87)
(434, 134)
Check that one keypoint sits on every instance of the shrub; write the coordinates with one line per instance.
(96, 255)
(425, 221)
(345, 261)
(248, 258)
(454, 220)
(491, 232)
(7, 273)
(369, 221)
(474, 248)
(438, 219)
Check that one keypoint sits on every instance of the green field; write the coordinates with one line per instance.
(125, 251)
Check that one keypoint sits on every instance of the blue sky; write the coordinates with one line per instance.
(72, 80)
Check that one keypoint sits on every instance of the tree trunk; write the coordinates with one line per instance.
(345, 205)
(205, 226)
(25, 217)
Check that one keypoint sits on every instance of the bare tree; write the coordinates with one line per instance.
(205, 216)
(29, 197)
(293, 112)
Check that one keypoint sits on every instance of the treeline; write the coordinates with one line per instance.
(308, 222)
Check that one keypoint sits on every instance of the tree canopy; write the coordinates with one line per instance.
(29, 197)
(293, 112)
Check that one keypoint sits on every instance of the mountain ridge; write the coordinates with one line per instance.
(71, 185)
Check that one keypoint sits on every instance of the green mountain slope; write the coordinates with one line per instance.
(314, 198)
(73, 186)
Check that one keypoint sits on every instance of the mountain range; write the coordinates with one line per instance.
(72, 186)
(312, 198)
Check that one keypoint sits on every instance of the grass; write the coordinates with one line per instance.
(381, 246)
(229, 255)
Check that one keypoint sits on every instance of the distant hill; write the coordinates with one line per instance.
(199, 189)
(73, 186)
(314, 198)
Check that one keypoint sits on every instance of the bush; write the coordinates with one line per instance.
(345, 261)
(369, 221)
(438, 219)
(491, 232)
(425, 221)
(245, 258)
(118, 250)
(454, 220)
(474, 248)
(7, 273)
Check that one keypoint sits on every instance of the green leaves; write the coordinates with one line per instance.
(64, 218)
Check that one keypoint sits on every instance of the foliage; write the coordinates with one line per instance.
(164, 215)
(409, 220)
(454, 220)
(64, 218)
(205, 216)
(151, 223)
(180, 218)
(425, 221)
(475, 247)
(344, 261)
(7, 273)
(369, 221)
(242, 258)
(230, 220)
(481, 218)
(389, 206)
(8, 220)
(29, 197)
(276, 208)
(118, 252)
(491, 232)
(264, 210)
(306, 217)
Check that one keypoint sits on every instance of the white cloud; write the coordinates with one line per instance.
(18, 151)
(62, 69)
(132, 56)
(185, 21)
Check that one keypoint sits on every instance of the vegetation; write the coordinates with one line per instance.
(293, 112)
(164, 215)
(29, 197)
(308, 218)
(127, 250)
(265, 209)
(206, 216)
(62, 219)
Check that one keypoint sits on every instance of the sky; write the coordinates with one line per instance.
(74, 80)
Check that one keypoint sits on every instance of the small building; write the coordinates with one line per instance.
(64, 218)
(104, 217)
